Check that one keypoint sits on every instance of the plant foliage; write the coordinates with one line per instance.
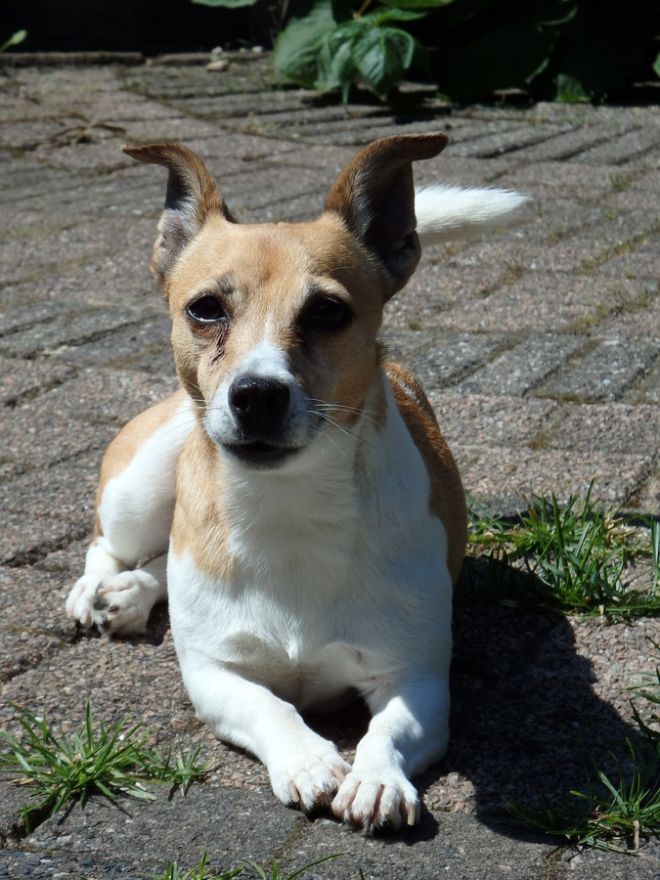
(333, 47)
(14, 40)
(203, 871)
(613, 813)
(573, 557)
(98, 759)
(569, 50)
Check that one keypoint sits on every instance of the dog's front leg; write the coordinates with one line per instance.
(409, 730)
(305, 770)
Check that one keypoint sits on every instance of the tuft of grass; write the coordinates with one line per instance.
(202, 871)
(649, 690)
(572, 557)
(617, 814)
(611, 814)
(109, 760)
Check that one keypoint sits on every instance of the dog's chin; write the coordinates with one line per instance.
(257, 454)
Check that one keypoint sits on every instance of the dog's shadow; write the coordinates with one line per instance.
(526, 724)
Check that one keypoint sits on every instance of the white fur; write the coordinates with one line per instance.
(264, 360)
(338, 584)
(447, 212)
(135, 516)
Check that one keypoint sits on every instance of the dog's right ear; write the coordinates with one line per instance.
(192, 196)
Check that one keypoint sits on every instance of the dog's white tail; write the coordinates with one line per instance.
(447, 212)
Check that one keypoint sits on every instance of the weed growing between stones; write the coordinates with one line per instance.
(571, 557)
(248, 868)
(575, 558)
(109, 760)
(614, 813)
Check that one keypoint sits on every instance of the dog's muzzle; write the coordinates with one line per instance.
(261, 408)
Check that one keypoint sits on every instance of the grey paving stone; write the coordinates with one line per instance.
(603, 374)
(67, 330)
(581, 180)
(640, 263)
(490, 419)
(648, 389)
(437, 290)
(33, 626)
(542, 302)
(445, 846)
(24, 865)
(503, 478)
(438, 358)
(638, 321)
(230, 824)
(144, 344)
(646, 499)
(569, 145)
(21, 378)
(63, 491)
(627, 148)
(11, 801)
(109, 396)
(27, 536)
(615, 427)
(520, 369)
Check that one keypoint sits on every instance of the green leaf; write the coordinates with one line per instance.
(656, 65)
(14, 40)
(570, 90)
(231, 4)
(417, 4)
(336, 67)
(298, 45)
(381, 55)
(380, 16)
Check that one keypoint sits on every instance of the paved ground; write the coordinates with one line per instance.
(538, 348)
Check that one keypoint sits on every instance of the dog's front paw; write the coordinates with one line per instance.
(80, 601)
(122, 603)
(119, 605)
(308, 777)
(377, 801)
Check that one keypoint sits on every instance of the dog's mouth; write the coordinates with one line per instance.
(260, 454)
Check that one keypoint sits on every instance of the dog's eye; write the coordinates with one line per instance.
(326, 314)
(207, 309)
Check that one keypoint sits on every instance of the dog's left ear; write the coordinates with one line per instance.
(192, 196)
(375, 196)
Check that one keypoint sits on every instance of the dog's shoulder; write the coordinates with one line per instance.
(447, 499)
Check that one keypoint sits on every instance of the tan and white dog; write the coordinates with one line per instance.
(314, 514)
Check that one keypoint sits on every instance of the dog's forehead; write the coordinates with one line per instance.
(282, 256)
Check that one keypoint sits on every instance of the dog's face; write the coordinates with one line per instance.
(275, 325)
(274, 329)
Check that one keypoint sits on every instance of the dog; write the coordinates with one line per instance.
(315, 516)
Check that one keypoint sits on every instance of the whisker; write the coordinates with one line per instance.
(341, 428)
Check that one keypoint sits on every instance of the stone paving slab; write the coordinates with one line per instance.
(538, 348)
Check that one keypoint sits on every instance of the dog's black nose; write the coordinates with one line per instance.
(260, 406)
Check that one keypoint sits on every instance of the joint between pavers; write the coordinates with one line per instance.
(536, 390)
(624, 247)
(38, 552)
(301, 829)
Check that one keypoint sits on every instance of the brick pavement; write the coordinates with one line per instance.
(538, 348)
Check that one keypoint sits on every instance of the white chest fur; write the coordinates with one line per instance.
(339, 579)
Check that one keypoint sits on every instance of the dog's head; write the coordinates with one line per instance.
(275, 325)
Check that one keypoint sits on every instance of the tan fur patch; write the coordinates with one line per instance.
(199, 526)
(447, 499)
